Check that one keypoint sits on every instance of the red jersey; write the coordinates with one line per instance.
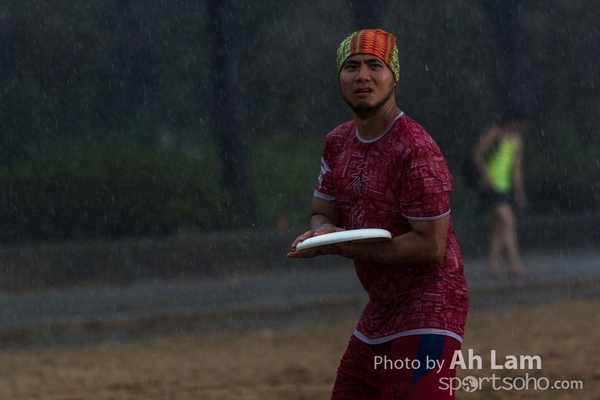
(384, 183)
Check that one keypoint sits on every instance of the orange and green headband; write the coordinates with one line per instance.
(376, 42)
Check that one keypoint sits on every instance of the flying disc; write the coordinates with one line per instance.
(351, 235)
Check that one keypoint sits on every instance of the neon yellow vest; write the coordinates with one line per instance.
(500, 163)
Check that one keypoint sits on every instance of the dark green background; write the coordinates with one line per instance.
(108, 126)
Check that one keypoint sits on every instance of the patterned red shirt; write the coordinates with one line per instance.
(384, 183)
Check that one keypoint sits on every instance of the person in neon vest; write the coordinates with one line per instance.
(498, 157)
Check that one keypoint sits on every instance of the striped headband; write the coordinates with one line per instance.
(376, 42)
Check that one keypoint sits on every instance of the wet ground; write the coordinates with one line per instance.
(70, 316)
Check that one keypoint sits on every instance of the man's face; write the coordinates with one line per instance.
(366, 83)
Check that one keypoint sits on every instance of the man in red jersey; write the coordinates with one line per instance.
(383, 170)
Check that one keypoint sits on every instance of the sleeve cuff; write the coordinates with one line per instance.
(433, 218)
(323, 196)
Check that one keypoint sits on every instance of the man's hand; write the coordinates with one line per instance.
(314, 251)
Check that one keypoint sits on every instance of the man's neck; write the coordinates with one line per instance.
(373, 125)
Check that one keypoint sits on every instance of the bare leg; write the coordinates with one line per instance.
(507, 238)
(511, 243)
(495, 241)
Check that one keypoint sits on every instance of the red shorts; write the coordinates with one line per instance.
(407, 368)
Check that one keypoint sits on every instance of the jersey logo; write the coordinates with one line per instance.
(360, 177)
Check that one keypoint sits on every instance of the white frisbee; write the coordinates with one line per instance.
(351, 235)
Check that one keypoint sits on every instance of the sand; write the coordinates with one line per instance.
(298, 361)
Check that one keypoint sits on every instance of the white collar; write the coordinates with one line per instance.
(400, 114)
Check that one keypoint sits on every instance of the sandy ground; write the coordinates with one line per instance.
(299, 361)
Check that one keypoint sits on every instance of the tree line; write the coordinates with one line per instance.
(219, 76)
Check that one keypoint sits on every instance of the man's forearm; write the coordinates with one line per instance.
(319, 221)
(405, 249)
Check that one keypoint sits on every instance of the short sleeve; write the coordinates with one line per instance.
(425, 184)
(325, 188)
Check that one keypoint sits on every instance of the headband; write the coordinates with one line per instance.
(376, 42)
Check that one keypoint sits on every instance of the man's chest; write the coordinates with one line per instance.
(366, 172)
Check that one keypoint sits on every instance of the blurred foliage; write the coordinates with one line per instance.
(124, 190)
(569, 184)
(78, 75)
(112, 190)
(285, 170)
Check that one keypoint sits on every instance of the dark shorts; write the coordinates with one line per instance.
(489, 198)
(407, 368)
